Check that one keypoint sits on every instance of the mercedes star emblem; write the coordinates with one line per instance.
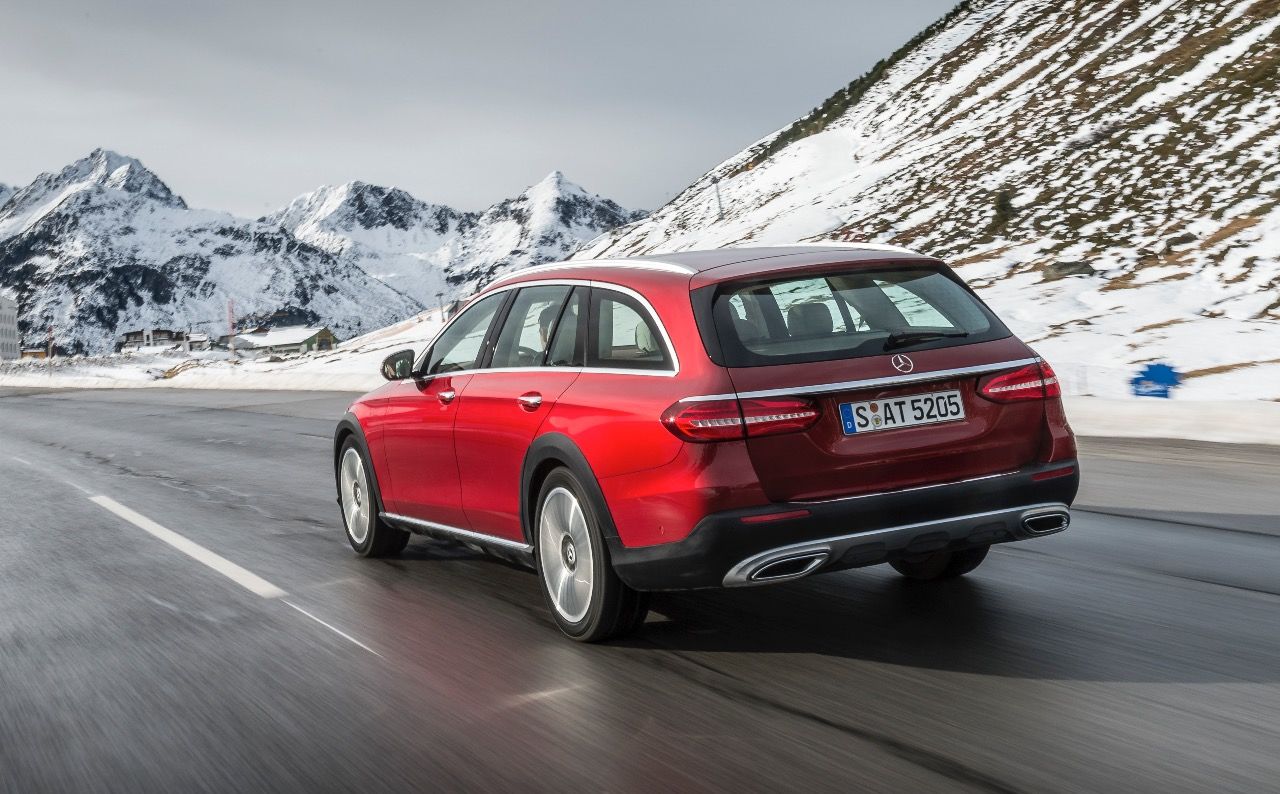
(902, 364)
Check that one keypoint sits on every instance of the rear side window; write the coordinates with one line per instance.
(622, 334)
(834, 315)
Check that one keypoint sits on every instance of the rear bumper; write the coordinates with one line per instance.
(724, 551)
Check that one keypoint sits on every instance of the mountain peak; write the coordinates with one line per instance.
(551, 188)
(359, 204)
(113, 171)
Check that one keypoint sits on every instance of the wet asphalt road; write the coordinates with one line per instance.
(1139, 651)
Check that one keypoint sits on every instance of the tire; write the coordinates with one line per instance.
(367, 533)
(568, 543)
(941, 565)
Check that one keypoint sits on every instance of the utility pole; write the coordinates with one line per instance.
(231, 327)
(48, 355)
(440, 300)
(715, 180)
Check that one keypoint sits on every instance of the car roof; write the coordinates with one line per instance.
(733, 261)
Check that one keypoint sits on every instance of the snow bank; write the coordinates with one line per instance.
(354, 367)
(1227, 422)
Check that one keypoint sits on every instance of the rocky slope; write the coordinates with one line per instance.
(1107, 173)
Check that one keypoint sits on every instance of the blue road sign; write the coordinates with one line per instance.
(1155, 380)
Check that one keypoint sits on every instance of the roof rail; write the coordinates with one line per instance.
(861, 246)
(636, 264)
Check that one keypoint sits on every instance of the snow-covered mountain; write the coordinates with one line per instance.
(427, 249)
(549, 221)
(104, 246)
(388, 233)
(1106, 173)
(5, 193)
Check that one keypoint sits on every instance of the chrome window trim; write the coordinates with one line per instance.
(464, 534)
(664, 267)
(871, 383)
(661, 373)
(565, 282)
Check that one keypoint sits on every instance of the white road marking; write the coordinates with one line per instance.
(335, 629)
(246, 579)
(241, 576)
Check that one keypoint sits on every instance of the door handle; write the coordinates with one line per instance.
(530, 400)
(446, 396)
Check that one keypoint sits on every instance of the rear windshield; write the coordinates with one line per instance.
(842, 314)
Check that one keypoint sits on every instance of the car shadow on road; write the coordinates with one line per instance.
(967, 625)
(1012, 621)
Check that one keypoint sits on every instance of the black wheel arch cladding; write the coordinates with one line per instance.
(550, 451)
(349, 427)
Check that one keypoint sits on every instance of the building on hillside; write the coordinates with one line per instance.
(150, 337)
(227, 342)
(34, 352)
(10, 345)
(285, 341)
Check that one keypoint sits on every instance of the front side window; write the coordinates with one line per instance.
(848, 314)
(461, 345)
(526, 332)
(622, 335)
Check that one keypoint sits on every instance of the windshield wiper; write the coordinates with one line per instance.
(904, 338)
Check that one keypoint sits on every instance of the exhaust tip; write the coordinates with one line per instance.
(1044, 523)
(789, 567)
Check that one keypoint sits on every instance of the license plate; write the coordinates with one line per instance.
(895, 412)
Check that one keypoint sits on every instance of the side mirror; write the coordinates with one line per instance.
(398, 365)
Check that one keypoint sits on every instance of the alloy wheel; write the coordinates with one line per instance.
(565, 553)
(355, 495)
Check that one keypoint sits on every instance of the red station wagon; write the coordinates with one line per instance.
(712, 419)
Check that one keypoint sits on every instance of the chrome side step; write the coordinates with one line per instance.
(500, 547)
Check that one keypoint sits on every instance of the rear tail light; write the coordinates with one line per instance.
(768, 417)
(707, 420)
(728, 420)
(1032, 382)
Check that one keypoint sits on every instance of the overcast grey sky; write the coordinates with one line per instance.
(243, 105)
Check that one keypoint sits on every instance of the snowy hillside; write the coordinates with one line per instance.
(1107, 174)
(104, 246)
(353, 366)
(425, 249)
